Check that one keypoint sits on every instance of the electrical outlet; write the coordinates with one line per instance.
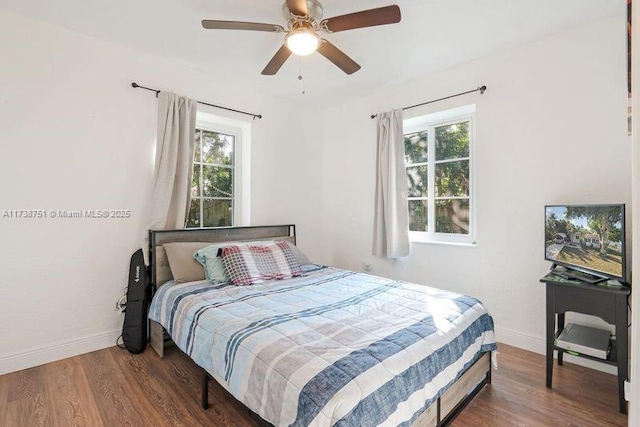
(366, 266)
(627, 391)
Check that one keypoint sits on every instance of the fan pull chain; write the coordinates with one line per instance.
(300, 76)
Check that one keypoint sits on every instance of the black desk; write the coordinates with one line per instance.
(608, 303)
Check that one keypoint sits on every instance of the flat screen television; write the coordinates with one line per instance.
(587, 239)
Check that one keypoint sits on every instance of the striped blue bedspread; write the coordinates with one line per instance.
(333, 347)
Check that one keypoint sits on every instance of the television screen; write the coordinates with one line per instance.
(588, 238)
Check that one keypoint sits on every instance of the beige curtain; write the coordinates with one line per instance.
(391, 218)
(175, 142)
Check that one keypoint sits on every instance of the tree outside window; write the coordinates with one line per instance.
(212, 185)
(439, 170)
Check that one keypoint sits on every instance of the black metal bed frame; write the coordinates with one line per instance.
(464, 402)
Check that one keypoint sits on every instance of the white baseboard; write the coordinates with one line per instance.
(520, 340)
(39, 356)
(538, 345)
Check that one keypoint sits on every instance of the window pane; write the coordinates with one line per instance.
(417, 181)
(217, 181)
(197, 151)
(217, 213)
(452, 179)
(195, 181)
(415, 147)
(452, 216)
(193, 221)
(217, 148)
(418, 215)
(452, 141)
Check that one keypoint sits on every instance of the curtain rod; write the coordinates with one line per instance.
(480, 89)
(136, 85)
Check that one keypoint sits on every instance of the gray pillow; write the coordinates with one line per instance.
(183, 267)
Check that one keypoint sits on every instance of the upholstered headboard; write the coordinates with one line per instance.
(160, 271)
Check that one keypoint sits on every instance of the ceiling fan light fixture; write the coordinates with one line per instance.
(304, 23)
(302, 41)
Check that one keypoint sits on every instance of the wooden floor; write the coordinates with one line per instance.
(113, 388)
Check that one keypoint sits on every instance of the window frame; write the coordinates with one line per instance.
(428, 123)
(240, 185)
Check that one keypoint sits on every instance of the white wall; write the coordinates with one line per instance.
(75, 135)
(551, 128)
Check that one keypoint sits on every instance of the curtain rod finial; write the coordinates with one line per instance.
(482, 89)
(134, 84)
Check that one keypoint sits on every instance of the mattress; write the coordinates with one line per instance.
(333, 347)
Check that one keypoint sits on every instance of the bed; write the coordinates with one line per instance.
(330, 347)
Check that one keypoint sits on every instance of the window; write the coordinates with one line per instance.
(218, 184)
(439, 164)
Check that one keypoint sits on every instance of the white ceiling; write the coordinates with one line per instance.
(433, 35)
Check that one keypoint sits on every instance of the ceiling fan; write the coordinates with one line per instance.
(304, 21)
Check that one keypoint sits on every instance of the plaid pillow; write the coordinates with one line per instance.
(208, 256)
(248, 264)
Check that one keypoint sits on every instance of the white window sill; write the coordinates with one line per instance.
(441, 242)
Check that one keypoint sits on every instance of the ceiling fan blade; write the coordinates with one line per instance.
(297, 7)
(211, 24)
(276, 62)
(366, 18)
(338, 57)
